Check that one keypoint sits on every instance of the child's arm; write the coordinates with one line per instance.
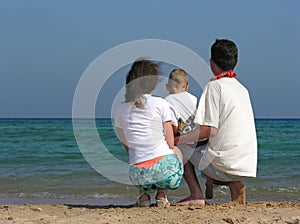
(169, 134)
(175, 130)
(122, 138)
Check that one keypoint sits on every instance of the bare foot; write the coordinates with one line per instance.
(161, 199)
(144, 197)
(238, 192)
(161, 194)
(188, 201)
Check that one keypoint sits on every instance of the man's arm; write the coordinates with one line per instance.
(201, 133)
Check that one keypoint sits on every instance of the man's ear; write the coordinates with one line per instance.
(212, 63)
(214, 67)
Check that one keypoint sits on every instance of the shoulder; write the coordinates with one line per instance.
(191, 95)
(224, 82)
(231, 83)
(169, 97)
(214, 85)
(157, 100)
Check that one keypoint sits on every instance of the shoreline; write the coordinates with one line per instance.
(252, 212)
(71, 201)
(127, 199)
(117, 202)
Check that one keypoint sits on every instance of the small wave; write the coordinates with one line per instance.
(275, 189)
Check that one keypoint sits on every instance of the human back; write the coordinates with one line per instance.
(144, 126)
(141, 115)
(224, 116)
(236, 138)
(225, 105)
(184, 103)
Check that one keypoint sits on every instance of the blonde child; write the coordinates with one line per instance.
(185, 105)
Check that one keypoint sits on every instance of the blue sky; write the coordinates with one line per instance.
(47, 45)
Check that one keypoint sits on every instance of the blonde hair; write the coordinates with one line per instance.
(179, 78)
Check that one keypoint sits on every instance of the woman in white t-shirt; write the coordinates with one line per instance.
(144, 127)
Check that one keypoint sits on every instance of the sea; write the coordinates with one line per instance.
(44, 161)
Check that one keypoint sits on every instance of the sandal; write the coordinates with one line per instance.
(163, 202)
(140, 203)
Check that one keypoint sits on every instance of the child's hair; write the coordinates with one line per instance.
(179, 78)
(224, 53)
(141, 79)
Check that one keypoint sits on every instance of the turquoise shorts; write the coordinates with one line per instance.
(165, 174)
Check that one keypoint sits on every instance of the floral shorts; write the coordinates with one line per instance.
(165, 174)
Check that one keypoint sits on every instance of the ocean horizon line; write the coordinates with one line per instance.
(106, 118)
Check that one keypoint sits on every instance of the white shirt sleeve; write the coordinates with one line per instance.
(208, 108)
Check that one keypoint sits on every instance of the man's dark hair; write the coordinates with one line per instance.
(224, 53)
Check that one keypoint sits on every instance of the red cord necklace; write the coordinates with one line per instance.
(229, 74)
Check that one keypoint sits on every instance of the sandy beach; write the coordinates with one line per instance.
(253, 212)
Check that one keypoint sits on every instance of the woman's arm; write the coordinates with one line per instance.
(175, 130)
(169, 134)
(122, 138)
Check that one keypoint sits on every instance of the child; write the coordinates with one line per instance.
(185, 105)
(144, 127)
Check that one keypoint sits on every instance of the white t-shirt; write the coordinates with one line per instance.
(184, 104)
(143, 128)
(225, 104)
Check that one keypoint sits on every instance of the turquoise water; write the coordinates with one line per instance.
(40, 160)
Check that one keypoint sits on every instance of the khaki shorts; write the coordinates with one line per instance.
(195, 155)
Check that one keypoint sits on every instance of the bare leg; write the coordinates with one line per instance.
(238, 192)
(209, 188)
(196, 197)
(178, 153)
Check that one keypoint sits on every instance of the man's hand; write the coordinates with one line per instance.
(200, 133)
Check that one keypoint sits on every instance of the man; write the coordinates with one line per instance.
(224, 116)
